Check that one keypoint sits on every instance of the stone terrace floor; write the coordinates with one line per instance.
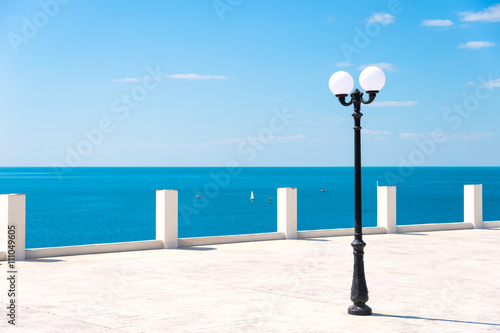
(447, 281)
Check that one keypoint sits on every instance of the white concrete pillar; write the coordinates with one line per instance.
(386, 208)
(287, 212)
(473, 205)
(12, 224)
(166, 218)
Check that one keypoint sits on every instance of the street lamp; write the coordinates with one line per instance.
(372, 79)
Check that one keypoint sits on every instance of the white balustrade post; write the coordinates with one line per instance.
(13, 224)
(386, 208)
(287, 212)
(167, 218)
(473, 205)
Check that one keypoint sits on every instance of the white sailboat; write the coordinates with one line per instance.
(251, 196)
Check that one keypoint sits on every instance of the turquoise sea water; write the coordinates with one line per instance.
(101, 205)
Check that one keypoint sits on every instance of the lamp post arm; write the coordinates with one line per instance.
(342, 101)
(371, 97)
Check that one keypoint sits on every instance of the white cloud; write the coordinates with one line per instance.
(393, 103)
(382, 65)
(128, 79)
(470, 83)
(492, 84)
(196, 77)
(280, 139)
(288, 138)
(179, 76)
(344, 64)
(446, 137)
(375, 132)
(476, 136)
(413, 135)
(490, 14)
(382, 18)
(475, 45)
(375, 135)
(436, 23)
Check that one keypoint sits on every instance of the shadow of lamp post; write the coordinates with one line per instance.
(372, 79)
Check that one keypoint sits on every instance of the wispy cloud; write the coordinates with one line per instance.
(344, 64)
(197, 77)
(382, 18)
(375, 135)
(393, 103)
(375, 132)
(475, 136)
(382, 65)
(490, 14)
(475, 45)
(179, 76)
(470, 83)
(445, 137)
(492, 84)
(437, 23)
(280, 139)
(284, 139)
(128, 79)
(412, 136)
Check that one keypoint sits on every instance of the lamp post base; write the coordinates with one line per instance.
(359, 310)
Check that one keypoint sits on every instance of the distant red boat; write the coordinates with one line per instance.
(322, 190)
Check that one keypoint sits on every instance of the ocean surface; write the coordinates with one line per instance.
(101, 205)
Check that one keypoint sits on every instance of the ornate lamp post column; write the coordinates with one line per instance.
(372, 79)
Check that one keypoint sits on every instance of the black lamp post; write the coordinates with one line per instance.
(372, 79)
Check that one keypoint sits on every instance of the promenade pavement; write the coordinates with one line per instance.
(446, 281)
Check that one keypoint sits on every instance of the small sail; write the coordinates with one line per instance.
(251, 196)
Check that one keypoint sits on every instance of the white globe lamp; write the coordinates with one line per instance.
(371, 79)
(341, 83)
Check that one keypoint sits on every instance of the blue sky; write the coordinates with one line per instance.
(207, 83)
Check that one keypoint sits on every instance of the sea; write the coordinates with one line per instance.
(90, 205)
